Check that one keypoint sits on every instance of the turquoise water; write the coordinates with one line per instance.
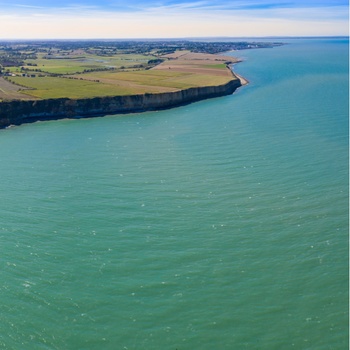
(218, 225)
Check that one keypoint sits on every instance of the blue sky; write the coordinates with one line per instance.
(171, 18)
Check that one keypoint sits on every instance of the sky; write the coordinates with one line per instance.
(115, 19)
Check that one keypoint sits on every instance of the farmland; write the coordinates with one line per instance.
(43, 70)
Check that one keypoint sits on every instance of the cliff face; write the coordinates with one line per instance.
(19, 112)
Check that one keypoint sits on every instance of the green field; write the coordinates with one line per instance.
(51, 87)
(215, 66)
(80, 63)
(98, 84)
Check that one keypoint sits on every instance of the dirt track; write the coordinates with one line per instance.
(9, 91)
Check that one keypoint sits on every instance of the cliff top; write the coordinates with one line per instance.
(58, 69)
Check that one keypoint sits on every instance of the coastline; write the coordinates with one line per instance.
(19, 112)
(243, 80)
(216, 72)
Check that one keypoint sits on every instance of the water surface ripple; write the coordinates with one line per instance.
(218, 225)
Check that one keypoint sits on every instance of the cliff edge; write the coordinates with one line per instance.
(27, 111)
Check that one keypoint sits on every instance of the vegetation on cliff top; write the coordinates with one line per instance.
(55, 69)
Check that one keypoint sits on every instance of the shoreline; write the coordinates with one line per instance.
(243, 80)
(19, 112)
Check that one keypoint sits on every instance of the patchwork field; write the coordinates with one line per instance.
(79, 63)
(80, 75)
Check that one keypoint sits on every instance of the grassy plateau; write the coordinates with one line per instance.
(90, 72)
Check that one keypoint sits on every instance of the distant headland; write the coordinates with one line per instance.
(45, 80)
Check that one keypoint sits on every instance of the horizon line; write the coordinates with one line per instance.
(183, 38)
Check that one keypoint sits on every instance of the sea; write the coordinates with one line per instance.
(221, 224)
